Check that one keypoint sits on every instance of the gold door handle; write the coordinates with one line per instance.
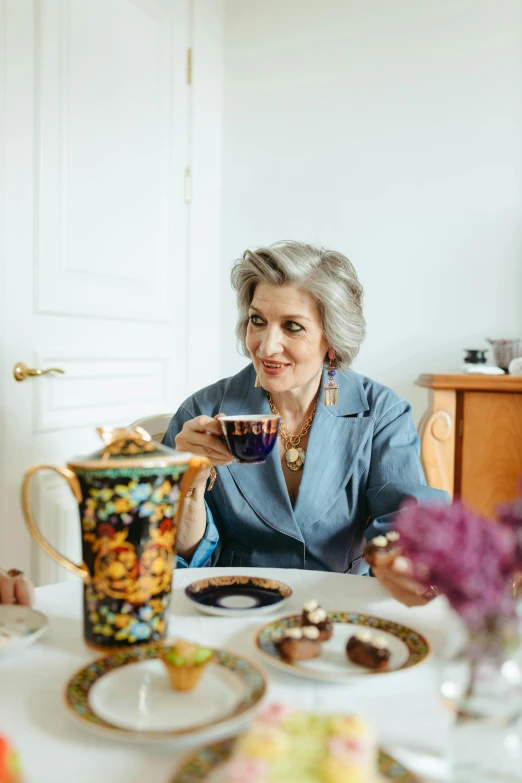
(21, 371)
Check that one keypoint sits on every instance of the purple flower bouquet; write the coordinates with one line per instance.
(471, 560)
(475, 562)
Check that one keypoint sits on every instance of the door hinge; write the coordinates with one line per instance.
(188, 186)
(189, 66)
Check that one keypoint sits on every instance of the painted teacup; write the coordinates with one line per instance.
(250, 438)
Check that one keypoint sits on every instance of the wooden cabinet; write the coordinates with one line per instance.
(471, 437)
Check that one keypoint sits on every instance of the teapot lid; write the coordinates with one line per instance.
(129, 447)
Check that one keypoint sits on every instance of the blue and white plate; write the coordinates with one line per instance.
(236, 596)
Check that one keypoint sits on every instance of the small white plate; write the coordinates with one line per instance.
(237, 596)
(19, 627)
(128, 696)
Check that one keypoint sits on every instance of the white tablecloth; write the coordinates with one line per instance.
(404, 707)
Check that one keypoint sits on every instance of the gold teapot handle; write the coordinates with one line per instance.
(72, 480)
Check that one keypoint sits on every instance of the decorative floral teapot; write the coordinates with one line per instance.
(130, 495)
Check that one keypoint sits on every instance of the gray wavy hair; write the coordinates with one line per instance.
(327, 275)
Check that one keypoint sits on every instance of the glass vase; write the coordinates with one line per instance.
(481, 682)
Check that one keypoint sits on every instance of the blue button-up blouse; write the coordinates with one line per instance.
(362, 462)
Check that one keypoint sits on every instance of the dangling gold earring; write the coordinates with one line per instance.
(257, 385)
(331, 388)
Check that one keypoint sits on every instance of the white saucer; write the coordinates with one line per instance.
(20, 626)
(238, 596)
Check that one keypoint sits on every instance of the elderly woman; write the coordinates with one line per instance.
(300, 316)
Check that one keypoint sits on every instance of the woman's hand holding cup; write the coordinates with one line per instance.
(202, 436)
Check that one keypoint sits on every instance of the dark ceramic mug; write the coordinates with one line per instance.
(475, 356)
(250, 438)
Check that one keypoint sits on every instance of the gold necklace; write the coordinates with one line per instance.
(295, 458)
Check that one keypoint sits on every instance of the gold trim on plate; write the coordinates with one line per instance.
(230, 581)
(197, 765)
(77, 702)
(418, 647)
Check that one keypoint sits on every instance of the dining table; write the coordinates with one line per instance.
(404, 706)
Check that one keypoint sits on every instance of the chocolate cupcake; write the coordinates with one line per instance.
(367, 649)
(300, 644)
(382, 550)
(315, 615)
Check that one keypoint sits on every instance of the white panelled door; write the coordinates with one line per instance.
(93, 226)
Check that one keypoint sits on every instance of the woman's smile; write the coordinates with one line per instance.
(285, 338)
(274, 368)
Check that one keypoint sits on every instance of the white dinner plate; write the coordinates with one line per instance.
(128, 695)
(19, 627)
(408, 647)
(237, 596)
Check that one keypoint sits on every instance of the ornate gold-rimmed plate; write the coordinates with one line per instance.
(204, 765)
(19, 627)
(128, 696)
(237, 596)
(407, 647)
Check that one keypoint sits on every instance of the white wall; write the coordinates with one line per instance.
(205, 215)
(390, 130)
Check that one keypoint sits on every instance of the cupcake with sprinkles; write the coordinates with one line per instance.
(287, 746)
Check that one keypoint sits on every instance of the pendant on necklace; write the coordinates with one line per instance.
(295, 458)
